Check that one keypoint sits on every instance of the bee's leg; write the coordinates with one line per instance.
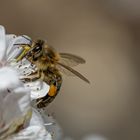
(26, 48)
(32, 77)
(42, 76)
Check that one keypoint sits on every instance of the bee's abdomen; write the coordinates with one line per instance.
(55, 85)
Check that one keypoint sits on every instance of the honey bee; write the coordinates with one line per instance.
(50, 65)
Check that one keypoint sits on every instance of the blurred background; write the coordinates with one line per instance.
(105, 33)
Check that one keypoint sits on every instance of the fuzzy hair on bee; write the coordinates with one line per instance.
(50, 67)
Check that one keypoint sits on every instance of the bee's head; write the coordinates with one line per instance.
(36, 51)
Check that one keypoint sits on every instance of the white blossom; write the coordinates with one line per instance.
(18, 120)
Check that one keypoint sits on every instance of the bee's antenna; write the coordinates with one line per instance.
(22, 44)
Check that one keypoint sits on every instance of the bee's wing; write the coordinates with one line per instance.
(70, 59)
(64, 71)
(74, 72)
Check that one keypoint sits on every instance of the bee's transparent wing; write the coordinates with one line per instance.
(70, 60)
(65, 71)
(76, 73)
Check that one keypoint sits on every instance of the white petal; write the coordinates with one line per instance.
(38, 89)
(15, 50)
(36, 118)
(52, 126)
(14, 102)
(35, 130)
(2, 43)
(32, 133)
(8, 78)
(9, 40)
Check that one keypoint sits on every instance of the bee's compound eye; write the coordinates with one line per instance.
(37, 49)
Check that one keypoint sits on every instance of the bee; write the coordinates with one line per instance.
(50, 66)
